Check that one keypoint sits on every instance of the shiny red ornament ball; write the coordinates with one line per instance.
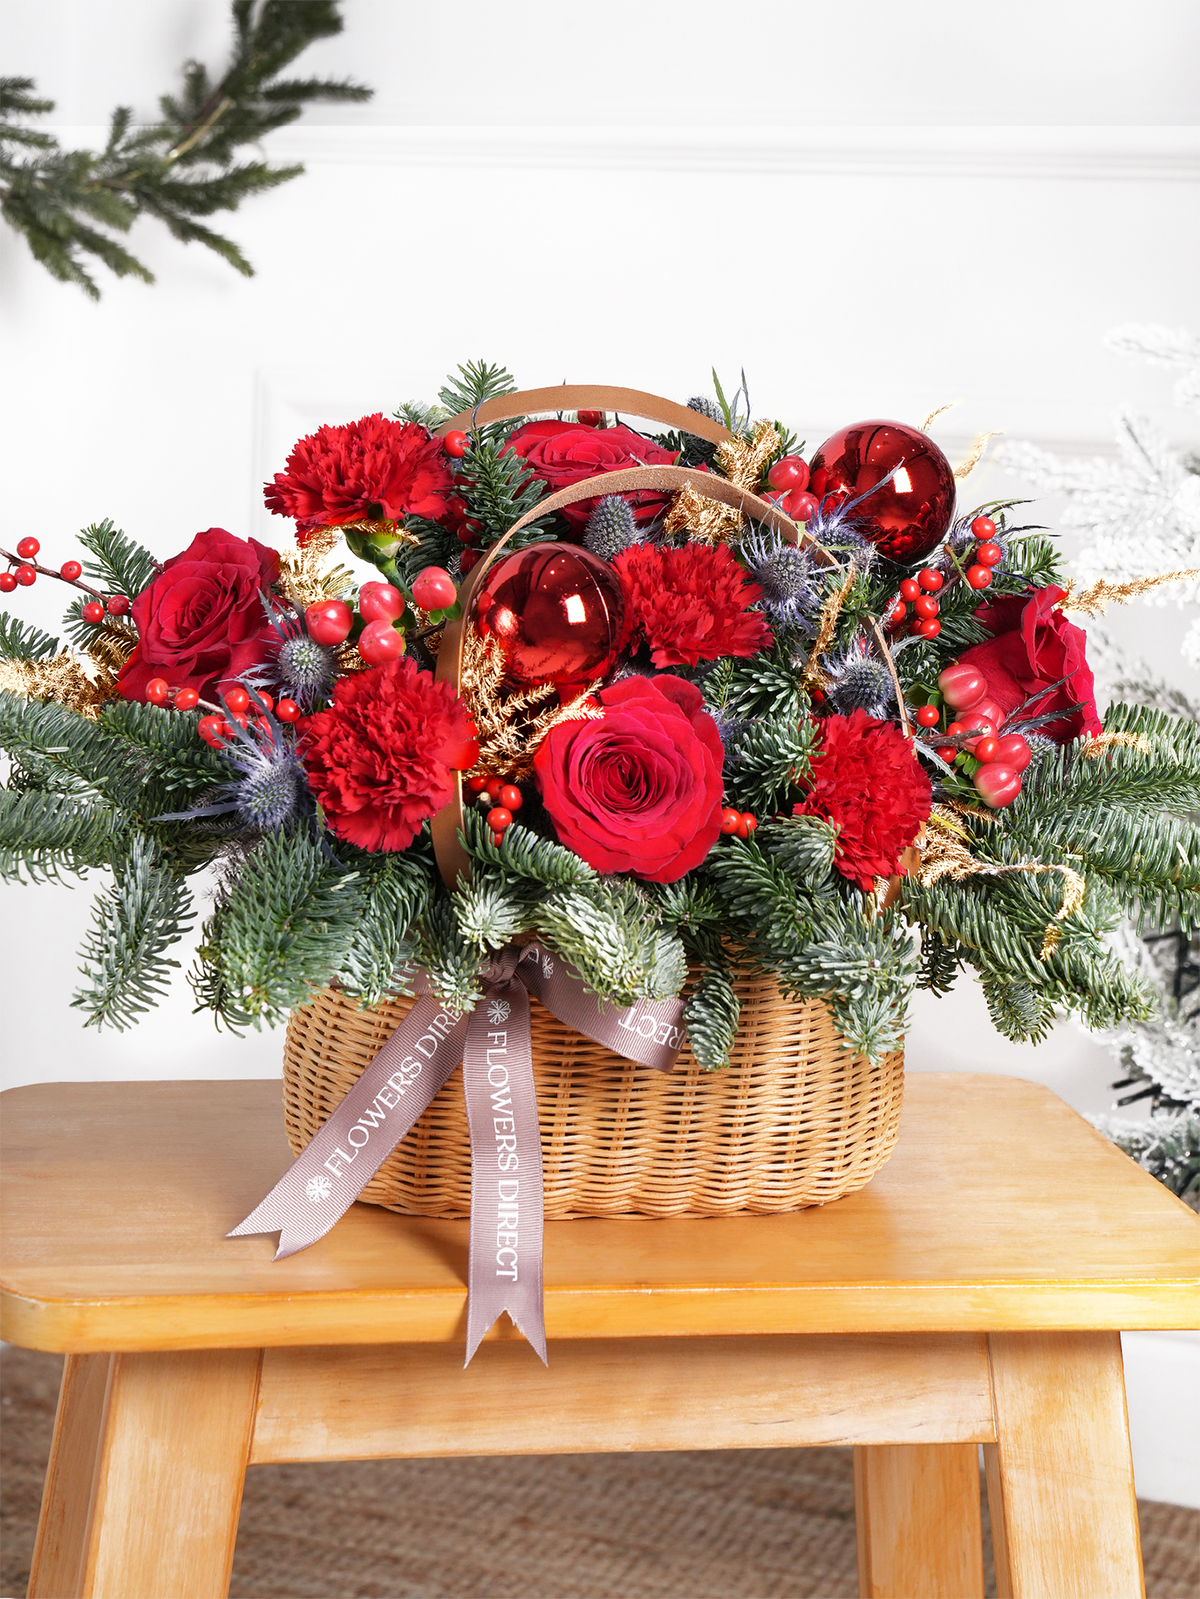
(186, 699)
(329, 621)
(70, 570)
(8, 582)
(928, 716)
(379, 643)
(93, 611)
(28, 548)
(556, 611)
(380, 602)
(157, 690)
(288, 711)
(456, 444)
(27, 575)
(906, 518)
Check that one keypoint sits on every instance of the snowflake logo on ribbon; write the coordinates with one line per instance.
(318, 1188)
(498, 1011)
(547, 966)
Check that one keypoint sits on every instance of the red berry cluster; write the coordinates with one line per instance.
(739, 824)
(789, 476)
(23, 570)
(381, 606)
(987, 553)
(919, 592)
(503, 799)
(1002, 759)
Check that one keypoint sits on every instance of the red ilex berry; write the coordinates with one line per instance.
(267, 701)
(730, 820)
(186, 699)
(928, 627)
(497, 839)
(510, 797)
(1013, 750)
(985, 749)
(457, 444)
(983, 527)
(70, 570)
(747, 822)
(209, 729)
(800, 506)
(380, 602)
(930, 580)
(498, 818)
(288, 711)
(93, 611)
(979, 576)
(27, 575)
(456, 509)
(236, 699)
(494, 785)
(956, 729)
(947, 752)
(925, 605)
(27, 549)
(928, 716)
(897, 613)
(329, 621)
(909, 589)
(590, 419)
(789, 472)
(8, 582)
(433, 589)
(467, 560)
(989, 554)
(380, 643)
(477, 784)
(117, 605)
(157, 690)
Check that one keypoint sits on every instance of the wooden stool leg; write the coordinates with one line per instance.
(918, 1517)
(145, 1478)
(1060, 1474)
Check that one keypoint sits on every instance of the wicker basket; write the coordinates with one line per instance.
(794, 1121)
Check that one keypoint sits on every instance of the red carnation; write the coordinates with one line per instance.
(866, 779)
(368, 469)
(381, 759)
(691, 604)
(562, 453)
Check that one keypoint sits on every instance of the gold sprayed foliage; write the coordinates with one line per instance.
(742, 462)
(511, 726)
(63, 681)
(1092, 600)
(303, 577)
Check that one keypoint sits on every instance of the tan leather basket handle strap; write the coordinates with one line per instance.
(589, 397)
(453, 861)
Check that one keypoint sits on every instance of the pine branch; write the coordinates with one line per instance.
(1018, 1010)
(475, 382)
(451, 963)
(711, 1013)
(940, 963)
(20, 642)
(44, 835)
(499, 489)
(770, 758)
(802, 845)
(523, 855)
(604, 930)
(145, 912)
(398, 890)
(120, 566)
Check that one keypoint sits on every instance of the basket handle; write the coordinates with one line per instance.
(588, 397)
(453, 860)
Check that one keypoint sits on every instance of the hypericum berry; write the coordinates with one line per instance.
(8, 582)
(498, 818)
(157, 690)
(477, 784)
(236, 699)
(510, 797)
(985, 710)
(928, 716)
(27, 549)
(799, 505)
(590, 419)
(928, 627)
(209, 729)
(986, 748)
(930, 580)
(70, 570)
(1013, 750)
(93, 611)
(909, 589)
(979, 576)
(186, 699)
(117, 605)
(467, 560)
(989, 554)
(288, 711)
(997, 785)
(789, 472)
(27, 575)
(433, 589)
(897, 613)
(925, 605)
(329, 621)
(730, 820)
(457, 444)
(962, 686)
(380, 643)
(380, 602)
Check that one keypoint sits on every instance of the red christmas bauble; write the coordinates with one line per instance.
(557, 612)
(906, 518)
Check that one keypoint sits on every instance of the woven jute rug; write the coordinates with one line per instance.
(745, 1524)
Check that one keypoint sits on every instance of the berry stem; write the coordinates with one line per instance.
(49, 571)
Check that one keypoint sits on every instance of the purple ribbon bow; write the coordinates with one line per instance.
(493, 1044)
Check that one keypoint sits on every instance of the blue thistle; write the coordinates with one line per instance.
(303, 667)
(611, 528)
(270, 790)
(706, 407)
(857, 680)
(784, 572)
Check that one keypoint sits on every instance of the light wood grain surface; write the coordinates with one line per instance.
(1001, 1209)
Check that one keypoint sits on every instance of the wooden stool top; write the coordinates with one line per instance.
(1001, 1209)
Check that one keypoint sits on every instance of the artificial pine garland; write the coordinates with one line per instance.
(302, 746)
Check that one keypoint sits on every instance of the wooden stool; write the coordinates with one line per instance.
(971, 1294)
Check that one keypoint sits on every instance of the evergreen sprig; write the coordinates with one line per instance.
(72, 204)
(21, 642)
(44, 835)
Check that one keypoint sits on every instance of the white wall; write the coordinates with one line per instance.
(874, 210)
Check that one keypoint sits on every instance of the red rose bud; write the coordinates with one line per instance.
(962, 686)
(1012, 750)
(997, 785)
(433, 589)
(380, 602)
(329, 621)
(380, 643)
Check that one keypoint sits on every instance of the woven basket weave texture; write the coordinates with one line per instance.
(794, 1120)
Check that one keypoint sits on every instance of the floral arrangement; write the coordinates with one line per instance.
(841, 730)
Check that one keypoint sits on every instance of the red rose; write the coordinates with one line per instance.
(201, 621)
(562, 453)
(382, 758)
(866, 779)
(368, 469)
(638, 790)
(691, 604)
(1033, 645)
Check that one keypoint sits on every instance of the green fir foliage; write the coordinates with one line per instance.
(20, 642)
(44, 835)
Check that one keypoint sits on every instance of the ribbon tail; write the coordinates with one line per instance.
(507, 1205)
(333, 1169)
(651, 1032)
